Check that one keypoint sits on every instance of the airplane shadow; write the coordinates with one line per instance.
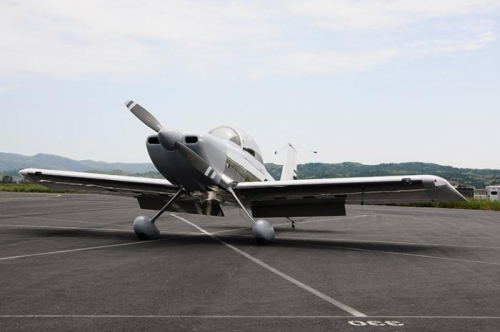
(332, 245)
(282, 229)
(238, 238)
(72, 233)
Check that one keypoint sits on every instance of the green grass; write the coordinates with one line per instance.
(26, 188)
(470, 204)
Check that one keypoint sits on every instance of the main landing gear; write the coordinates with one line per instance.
(145, 228)
(262, 230)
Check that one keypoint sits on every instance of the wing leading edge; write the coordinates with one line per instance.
(320, 197)
(98, 183)
(151, 194)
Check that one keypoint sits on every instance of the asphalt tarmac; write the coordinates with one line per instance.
(72, 263)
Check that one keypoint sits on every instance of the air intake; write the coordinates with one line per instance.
(153, 140)
(191, 139)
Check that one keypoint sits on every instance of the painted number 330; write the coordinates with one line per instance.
(375, 323)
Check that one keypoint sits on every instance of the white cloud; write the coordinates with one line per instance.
(207, 39)
(330, 62)
(384, 14)
(466, 36)
(9, 87)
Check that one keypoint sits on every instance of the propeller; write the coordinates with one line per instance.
(199, 163)
(147, 118)
(173, 140)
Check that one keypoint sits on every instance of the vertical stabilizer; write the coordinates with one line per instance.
(290, 167)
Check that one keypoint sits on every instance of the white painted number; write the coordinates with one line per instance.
(375, 323)
(357, 323)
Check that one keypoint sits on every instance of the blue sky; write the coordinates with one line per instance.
(366, 81)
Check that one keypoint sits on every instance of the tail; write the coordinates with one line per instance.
(290, 167)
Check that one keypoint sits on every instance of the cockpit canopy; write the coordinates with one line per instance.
(240, 138)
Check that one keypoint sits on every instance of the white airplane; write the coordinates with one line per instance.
(205, 171)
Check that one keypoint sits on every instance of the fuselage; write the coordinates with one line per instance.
(230, 152)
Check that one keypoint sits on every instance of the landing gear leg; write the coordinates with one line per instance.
(262, 230)
(291, 220)
(145, 228)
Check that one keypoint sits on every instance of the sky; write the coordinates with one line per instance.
(374, 82)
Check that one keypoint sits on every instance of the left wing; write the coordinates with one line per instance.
(150, 193)
(327, 197)
(98, 183)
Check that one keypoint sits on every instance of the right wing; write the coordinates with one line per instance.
(322, 197)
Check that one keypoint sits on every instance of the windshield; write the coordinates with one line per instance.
(240, 138)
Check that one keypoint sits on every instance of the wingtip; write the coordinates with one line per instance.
(24, 172)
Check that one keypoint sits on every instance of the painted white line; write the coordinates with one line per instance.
(36, 214)
(209, 169)
(388, 242)
(426, 256)
(245, 317)
(69, 227)
(30, 198)
(78, 249)
(327, 219)
(394, 253)
(176, 234)
(411, 236)
(436, 244)
(279, 273)
(341, 218)
(49, 219)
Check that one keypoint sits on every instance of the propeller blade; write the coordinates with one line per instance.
(199, 163)
(147, 118)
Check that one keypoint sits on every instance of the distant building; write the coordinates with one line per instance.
(492, 193)
(467, 192)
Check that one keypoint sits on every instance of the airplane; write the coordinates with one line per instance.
(205, 172)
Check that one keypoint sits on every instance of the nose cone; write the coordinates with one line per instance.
(168, 137)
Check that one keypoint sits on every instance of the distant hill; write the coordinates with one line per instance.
(10, 164)
(458, 176)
